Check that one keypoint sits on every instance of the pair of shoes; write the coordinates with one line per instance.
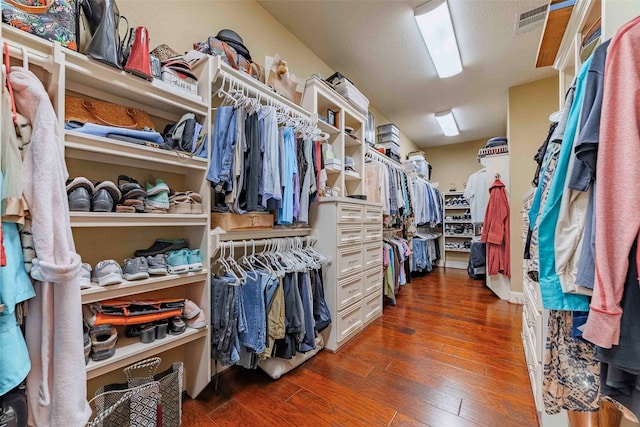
(103, 342)
(84, 195)
(133, 196)
(149, 332)
(194, 314)
(107, 272)
(185, 202)
(140, 267)
(157, 196)
(87, 342)
(162, 246)
(177, 325)
(184, 261)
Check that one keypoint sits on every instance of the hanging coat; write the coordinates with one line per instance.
(56, 385)
(495, 232)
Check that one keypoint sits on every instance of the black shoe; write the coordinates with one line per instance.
(162, 246)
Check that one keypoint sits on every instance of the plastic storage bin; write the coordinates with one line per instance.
(389, 128)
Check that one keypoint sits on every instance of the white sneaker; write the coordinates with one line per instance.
(85, 276)
(107, 272)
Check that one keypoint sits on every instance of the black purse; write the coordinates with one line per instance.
(179, 136)
(99, 25)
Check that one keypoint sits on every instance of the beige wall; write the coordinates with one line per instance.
(454, 163)
(528, 123)
(180, 23)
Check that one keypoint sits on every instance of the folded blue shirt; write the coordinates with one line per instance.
(103, 131)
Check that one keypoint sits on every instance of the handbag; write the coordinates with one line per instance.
(53, 21)
(99, 31)
(216, 47)
(105, 113)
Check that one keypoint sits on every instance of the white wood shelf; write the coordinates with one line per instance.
(460, 236)
(457, 222)
(457, 250)
(104, 150)
(350, 141)
(326, 127)
(154, 283)
(131, 350)
(457, 207)
(352, 176)
(332, 171)
(89, 73)
(261, 234)
(117, 219)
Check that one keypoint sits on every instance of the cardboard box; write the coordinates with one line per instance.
(249, 221)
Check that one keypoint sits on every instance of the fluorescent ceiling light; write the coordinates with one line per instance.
(447, 123)
(434, 21)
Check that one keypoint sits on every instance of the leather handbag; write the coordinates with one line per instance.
(54, 21)
(138, 59)
(105, 113)
(99, 31)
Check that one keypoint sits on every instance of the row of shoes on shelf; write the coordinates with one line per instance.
(465, 229)
(457, 245)
(129, 196)
(463, 217)
(456, 201)
(163, 257)
(100, 341)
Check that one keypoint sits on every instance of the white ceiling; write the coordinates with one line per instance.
(378, 46)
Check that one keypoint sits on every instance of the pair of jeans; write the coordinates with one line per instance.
(308, 342)
(321, 313)
(227, 319)
(225, 137)
(290, 168)
(276, 315)
(253, 293)
(249, 196)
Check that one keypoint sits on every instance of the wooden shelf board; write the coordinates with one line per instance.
(262, 234)
(326, 127)
(131, 350)
(154, 283)
(104, 150)
(457, 250)
(460, 236)
(458, 207)
(91, 73)
(350, 141)
(457, 222)
(554, 29)
(349, 177)
(117, 219)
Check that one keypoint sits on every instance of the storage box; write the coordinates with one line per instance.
(187, 84)
(345, 88)
(248, 221)
(388, 137)
(389, 128)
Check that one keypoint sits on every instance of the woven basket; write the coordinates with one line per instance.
(170, 386)
(118, 405)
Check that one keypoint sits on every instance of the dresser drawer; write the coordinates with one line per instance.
(372, 280)
(349, 291)
(372, 233)
(350, 214)
(373, 214)
(349, 235)
(534, 318)
(349, 321)
(372, 255)
(349, 261)
(372, 306)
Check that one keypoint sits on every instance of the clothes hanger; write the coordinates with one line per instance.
(7, 82)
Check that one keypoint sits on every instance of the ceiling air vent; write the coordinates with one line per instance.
(534, 18)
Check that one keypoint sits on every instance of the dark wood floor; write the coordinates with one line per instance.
(449, 354)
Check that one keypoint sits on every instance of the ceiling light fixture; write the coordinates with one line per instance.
(434, 21)
(447, 123)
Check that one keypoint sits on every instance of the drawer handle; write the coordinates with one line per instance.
(531, 324)
(375, 306)
(353, 291)
(353, 261)
(352, 321)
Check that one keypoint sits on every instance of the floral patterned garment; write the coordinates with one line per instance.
(571, 377)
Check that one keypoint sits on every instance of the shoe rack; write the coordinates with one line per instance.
(112, 235)
(457, 230)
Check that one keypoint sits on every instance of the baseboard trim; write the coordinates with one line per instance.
(516, 297)
(456, 264)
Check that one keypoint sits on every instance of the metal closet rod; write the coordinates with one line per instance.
(307, 240)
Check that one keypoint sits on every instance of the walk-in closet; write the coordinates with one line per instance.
(319, 213)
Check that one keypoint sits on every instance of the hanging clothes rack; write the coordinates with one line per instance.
(374, 155)
(240, 89)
